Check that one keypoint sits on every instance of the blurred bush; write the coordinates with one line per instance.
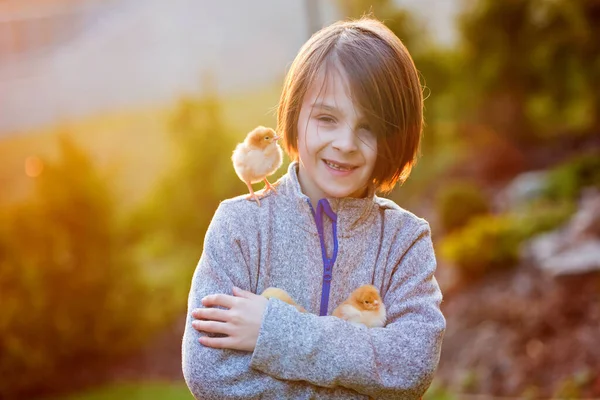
(71, 292)
(458, 203)
(566, 180)
(542, 216)
(486, 156)
(492, 242)
(486, 243)
(169, 228)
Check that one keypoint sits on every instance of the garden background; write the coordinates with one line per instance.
(117, 123)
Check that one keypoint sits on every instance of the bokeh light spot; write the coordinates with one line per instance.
(33, 166)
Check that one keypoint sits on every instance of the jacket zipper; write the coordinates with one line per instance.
(323, 206)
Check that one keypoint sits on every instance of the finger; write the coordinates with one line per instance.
(242, 293)
(212, 327)
(214, 314)
(223, 300)
(219, 342)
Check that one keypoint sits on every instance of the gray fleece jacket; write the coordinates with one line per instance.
(304, 356)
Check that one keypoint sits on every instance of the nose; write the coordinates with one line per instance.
(345, 140)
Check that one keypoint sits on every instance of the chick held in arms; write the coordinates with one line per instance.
(364, 306)
(257, 157)
(281, 295)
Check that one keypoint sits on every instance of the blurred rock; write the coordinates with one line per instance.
(523, 189)
(586, 223)
(573, 248)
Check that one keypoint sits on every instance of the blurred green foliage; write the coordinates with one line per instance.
(71, 291)
(542, 216)
(566, 180)
(201, 177)
(458, 203)
(438, 392)
(486, 243)
(568, 389)
(534, 66)
(136, 391)
(169, 228)
(492, 242)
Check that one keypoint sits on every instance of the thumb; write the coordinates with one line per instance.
(241, 293)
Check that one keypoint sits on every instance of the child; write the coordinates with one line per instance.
(351, 116)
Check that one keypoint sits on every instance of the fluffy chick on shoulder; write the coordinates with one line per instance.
(257, 157)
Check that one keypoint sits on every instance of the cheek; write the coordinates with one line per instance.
(309, 141)
(370, 153)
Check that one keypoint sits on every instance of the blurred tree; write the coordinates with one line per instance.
(174, 221)
(204, 176)
(498, 38)
(533, 66)
(69, 284)
(567, 61)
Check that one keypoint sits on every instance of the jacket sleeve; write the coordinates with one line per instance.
(394, 362)
(222, 373)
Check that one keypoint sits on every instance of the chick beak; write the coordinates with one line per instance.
(376, 302)
(276, 137)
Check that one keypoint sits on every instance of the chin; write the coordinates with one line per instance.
(339, 192)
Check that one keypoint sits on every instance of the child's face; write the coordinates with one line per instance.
(337, 150)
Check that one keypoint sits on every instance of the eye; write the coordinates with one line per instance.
(267, 137)
(365, 133)
(367, 301)
(326, 119)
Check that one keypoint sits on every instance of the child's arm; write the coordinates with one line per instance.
(395, 362)
(217, 373)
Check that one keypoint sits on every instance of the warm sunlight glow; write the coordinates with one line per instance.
(33, 166)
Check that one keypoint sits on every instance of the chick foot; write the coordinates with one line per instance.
(252, 195)
(269, 186)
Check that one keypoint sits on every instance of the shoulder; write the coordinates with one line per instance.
(398, 218)
(236, 211)
(410, 239)
(240, 214)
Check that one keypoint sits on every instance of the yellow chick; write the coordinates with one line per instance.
(257, 157)
(364, 306)
(281, 295)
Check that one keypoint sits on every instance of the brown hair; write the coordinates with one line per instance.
(383, 79)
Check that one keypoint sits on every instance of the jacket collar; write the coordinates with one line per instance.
(353, 214)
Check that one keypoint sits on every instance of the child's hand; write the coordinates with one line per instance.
(240, 322)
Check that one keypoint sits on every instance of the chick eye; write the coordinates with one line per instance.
(367, 301)
(267, 138)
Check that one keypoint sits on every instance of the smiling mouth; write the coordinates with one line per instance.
(339, 166)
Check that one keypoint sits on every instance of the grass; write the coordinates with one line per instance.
(133, 147)
(135, 391)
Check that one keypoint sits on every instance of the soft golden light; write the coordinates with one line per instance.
(33, 166)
